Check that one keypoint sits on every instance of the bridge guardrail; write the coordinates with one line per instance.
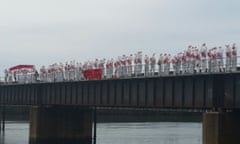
(190, 67)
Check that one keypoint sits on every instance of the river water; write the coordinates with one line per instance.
(123, 133)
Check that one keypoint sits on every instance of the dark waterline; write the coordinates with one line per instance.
(123, 133)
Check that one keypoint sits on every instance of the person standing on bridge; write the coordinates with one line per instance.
(139, 61)
(73, 70)
(66, 76)
(193, 60)
(102, 67)
(220, 59)
(120, 59)
(111, 68)
(146, 66)
(42, 73)
(108, 69)
(203, 58)
(120, 67)
(166, 62)
(210, 57)
(184, 62)
(234, 58)
(81, 71)
(215, 60)
(197, 57)
(116, 69)
(189, 59)
(61, 69)
(228, 58)
(129, 65)
(10, 79)
(188, 56)
(135, 64)
(160, 64)
(78, 76)
(174, 64)
(57, 72)
(6, 75)
(153, 63)
(124, 62)
(36, 76)
(178, 63)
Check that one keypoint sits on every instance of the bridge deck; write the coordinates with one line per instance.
(195, 91)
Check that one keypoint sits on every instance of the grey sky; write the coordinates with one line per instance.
(49, 31)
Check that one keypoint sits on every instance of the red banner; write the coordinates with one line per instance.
(94, 74)
(19, 67)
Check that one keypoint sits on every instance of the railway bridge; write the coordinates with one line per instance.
(63, 112)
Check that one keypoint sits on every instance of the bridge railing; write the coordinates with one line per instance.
(189, 67)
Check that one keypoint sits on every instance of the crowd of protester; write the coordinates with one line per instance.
(190, 61)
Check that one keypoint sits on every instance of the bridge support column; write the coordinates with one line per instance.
(60, 125)
(221, 128)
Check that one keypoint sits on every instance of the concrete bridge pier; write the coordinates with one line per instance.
(60, 125)
(221, 128)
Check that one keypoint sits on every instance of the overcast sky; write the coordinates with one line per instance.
(49, 31)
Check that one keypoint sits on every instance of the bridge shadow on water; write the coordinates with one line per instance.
(106, 115)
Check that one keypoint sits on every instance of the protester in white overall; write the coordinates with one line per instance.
(197, 60)
(166, 61)
(62, 71)
(124, 63)
(160, 64)
(77, 71)
(215, 60)
(102, 67)
(129, 65)
(43, 74)
(146, 66)
(204, 58)
(228, 57)
(73, 67)
(135, 64)
(10, 76)
(49, 75)
(234, 58)
(58, 72)
(54, 66)
(169, 63)
(189, 57)
(111, 68)
(210, 58)
(108, 69)
(6, 75)
(192, 60)
(66, 74)
(139, 57)
(220, 59)
(153, 63)
(116, 67)
(184, 62)
(178, 59)
(174, 64)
